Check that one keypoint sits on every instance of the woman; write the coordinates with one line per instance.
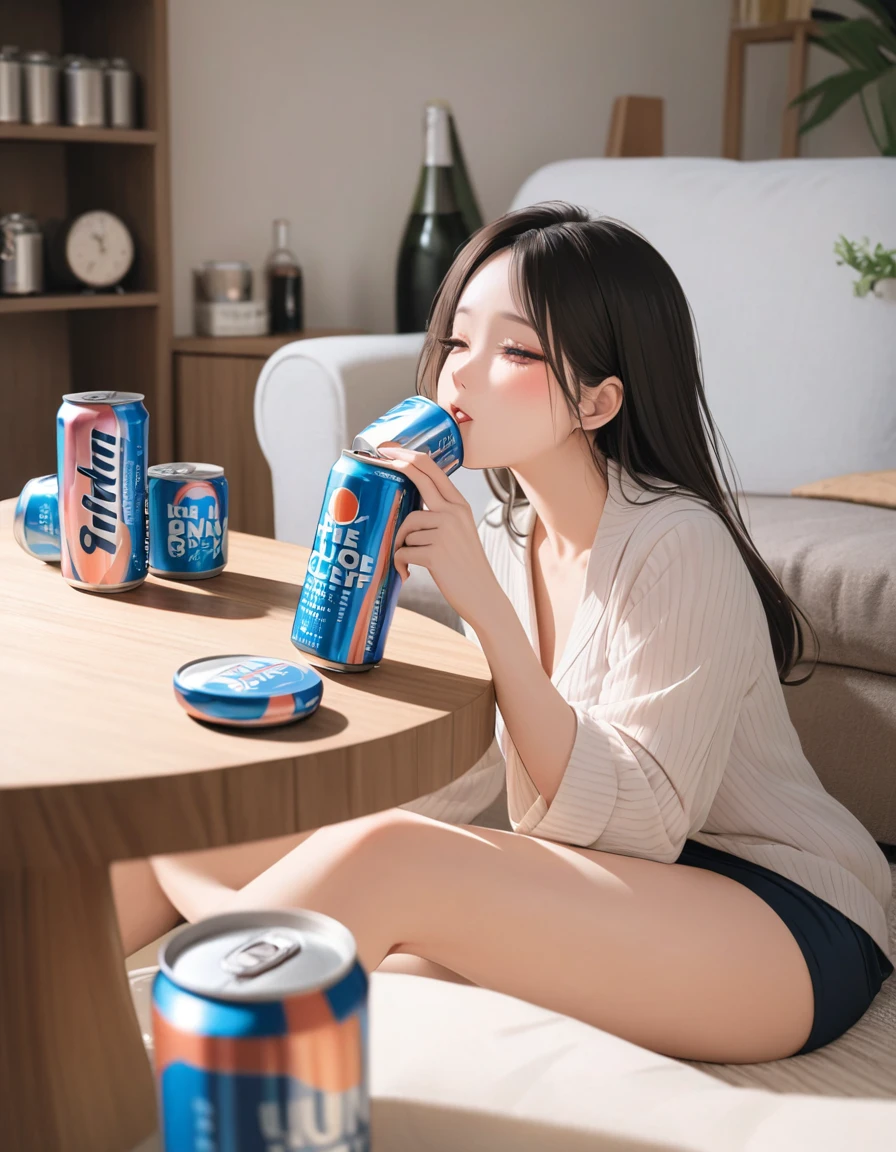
(676, 875)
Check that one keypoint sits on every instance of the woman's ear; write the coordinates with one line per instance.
(599, 405)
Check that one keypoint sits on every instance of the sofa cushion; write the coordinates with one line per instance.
(837, 561)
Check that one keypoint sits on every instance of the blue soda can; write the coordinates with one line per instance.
(187, 521)
(351, 585)
(102, 443)
(420, 425)
(36, 524)
(260, 1034)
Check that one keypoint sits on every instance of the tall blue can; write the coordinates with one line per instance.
(36, 525)
(351, 584)
(187, 520)
(102, 444)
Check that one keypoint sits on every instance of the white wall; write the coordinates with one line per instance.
(312, 109)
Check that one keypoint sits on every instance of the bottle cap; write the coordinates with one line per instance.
(247, 691)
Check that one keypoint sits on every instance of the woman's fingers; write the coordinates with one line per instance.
(435, 487)
(422, 518)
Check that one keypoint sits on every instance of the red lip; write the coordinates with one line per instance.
(454, 409)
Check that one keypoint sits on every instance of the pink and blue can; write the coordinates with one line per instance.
(36, 523)
(102, 445)
(187, 520)
(260, 1034)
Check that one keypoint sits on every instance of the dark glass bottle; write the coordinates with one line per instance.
(284, 280)
(435, 229)
(463, 186)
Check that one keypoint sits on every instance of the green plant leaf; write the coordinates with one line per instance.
(832, 92)
(860, 43)
(885, 10)
(886, 95)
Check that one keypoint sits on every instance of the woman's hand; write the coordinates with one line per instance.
(442, 538)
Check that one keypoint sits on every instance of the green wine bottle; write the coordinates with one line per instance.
(435, 229)
(463, 187)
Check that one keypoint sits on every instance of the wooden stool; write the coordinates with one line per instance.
(636, 127)
(797, 32)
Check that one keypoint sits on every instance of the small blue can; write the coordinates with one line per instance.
(419, 425)
(36, 524)
(187, 521)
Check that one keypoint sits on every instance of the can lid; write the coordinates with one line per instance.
(191, 469)
(258, 956)
(240, 689)
(102, 397)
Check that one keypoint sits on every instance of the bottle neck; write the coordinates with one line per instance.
(281, 233)
(435, 188)
(437, 150)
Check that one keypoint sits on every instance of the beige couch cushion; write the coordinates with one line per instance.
(458, 1067)
(838, 562)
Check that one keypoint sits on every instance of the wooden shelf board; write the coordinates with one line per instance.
(63, 133)
(770, 33)
(252, 345)
(73, 302)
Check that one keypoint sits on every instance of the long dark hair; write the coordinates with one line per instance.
(614, 307)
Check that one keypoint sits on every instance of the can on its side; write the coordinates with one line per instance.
(102, 445)
(187, 521)
(260, 1034)
(420, 425)
(351, 584)
(36, 524)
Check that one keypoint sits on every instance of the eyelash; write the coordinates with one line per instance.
(509, 351)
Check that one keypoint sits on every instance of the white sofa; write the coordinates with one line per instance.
(801, 378)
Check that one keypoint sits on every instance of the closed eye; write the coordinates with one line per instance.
(509, 351)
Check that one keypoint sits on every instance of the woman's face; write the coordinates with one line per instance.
(495, 374)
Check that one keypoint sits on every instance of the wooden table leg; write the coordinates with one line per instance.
(73, 1071)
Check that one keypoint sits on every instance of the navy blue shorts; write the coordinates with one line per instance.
(847, 967)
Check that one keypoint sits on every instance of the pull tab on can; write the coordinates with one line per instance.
(261, 954)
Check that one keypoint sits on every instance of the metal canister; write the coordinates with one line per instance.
(10, 85)
(21, 255)
(121, 103)
(101, 445)
(260, 1035)
(40, 86)
(187, 520)
(420, 425)
(84, 93)
(36, 523)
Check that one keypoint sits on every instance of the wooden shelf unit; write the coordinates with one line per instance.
(69, 341)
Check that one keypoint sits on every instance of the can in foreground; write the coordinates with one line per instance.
(351, 584)
(260, 1036)
(36, 524)
(187, 521)
(420, 425)
(101, 443)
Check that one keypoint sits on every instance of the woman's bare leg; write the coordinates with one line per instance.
(145, 912)
(680, 960)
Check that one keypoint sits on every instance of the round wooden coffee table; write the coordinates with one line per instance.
(99, 763)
